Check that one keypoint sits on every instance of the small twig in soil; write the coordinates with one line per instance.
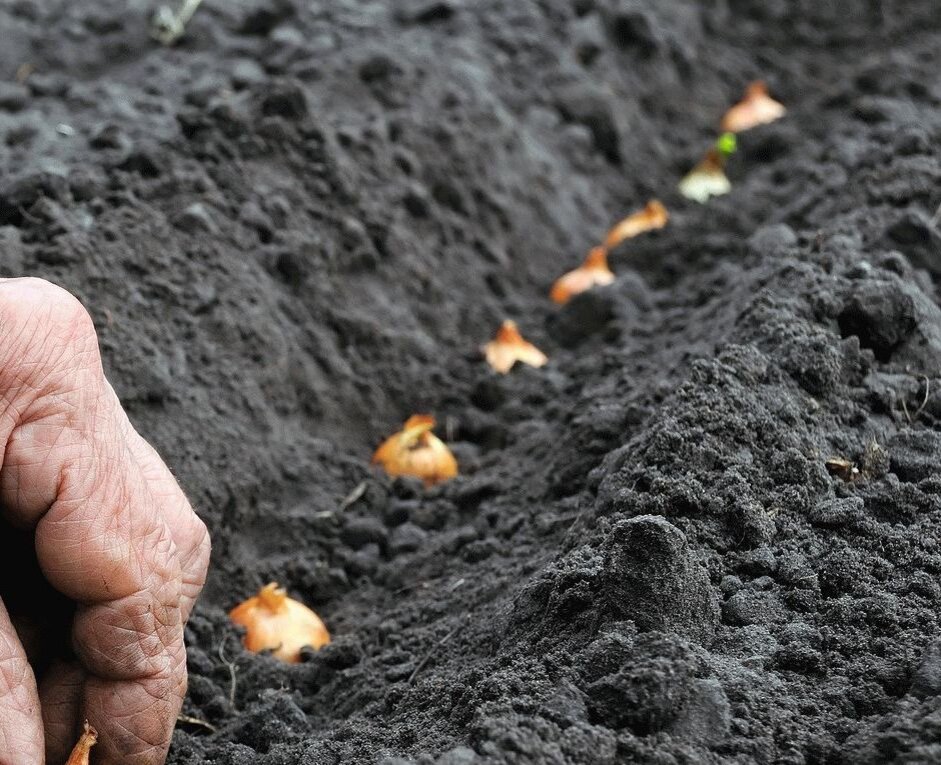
(425, 584)
(936, 218)
(233, 671)
(168, 26)
(23, 72)
(450, 427)
(31, 218)
(187, 720)
(571, 528)
(924, 402)
(595, 624)
(409, 587)
(431, 652)
(353, 497)
(912, 417)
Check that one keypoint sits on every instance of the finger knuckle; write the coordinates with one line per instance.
(43, 299)
(137, 637)
(46, 326)
(137, 722)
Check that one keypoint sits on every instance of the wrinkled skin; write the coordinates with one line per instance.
(102, 555)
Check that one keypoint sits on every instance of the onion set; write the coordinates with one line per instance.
(708, 178)
(653, 216)
(274, 622)
(594, 272)
(416, 451)
(509, 346)
(755, 108)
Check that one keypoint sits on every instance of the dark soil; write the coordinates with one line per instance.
(295, 229)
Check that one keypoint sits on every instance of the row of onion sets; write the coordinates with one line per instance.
(416, 451)
(276, 623)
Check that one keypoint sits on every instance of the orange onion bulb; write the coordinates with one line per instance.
(274, 622)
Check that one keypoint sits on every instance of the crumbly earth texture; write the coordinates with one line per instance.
(295, 228)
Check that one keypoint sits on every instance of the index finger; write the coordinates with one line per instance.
(68, 471)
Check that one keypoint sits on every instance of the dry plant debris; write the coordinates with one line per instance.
(168, 26)
(416, 451)
(842, 468)
(274, 622)
(509, 346)
(82, 749)
(873, 463)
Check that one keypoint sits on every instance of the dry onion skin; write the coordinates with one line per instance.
(707, 179)
(509, 346)
(82, 749)
(594, 272)
(653, 216)
(416, 451)
(755, 108)
(274, 622)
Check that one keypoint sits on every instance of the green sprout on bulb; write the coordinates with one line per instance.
(726, 144)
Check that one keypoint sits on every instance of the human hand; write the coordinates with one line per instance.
(103, 558)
